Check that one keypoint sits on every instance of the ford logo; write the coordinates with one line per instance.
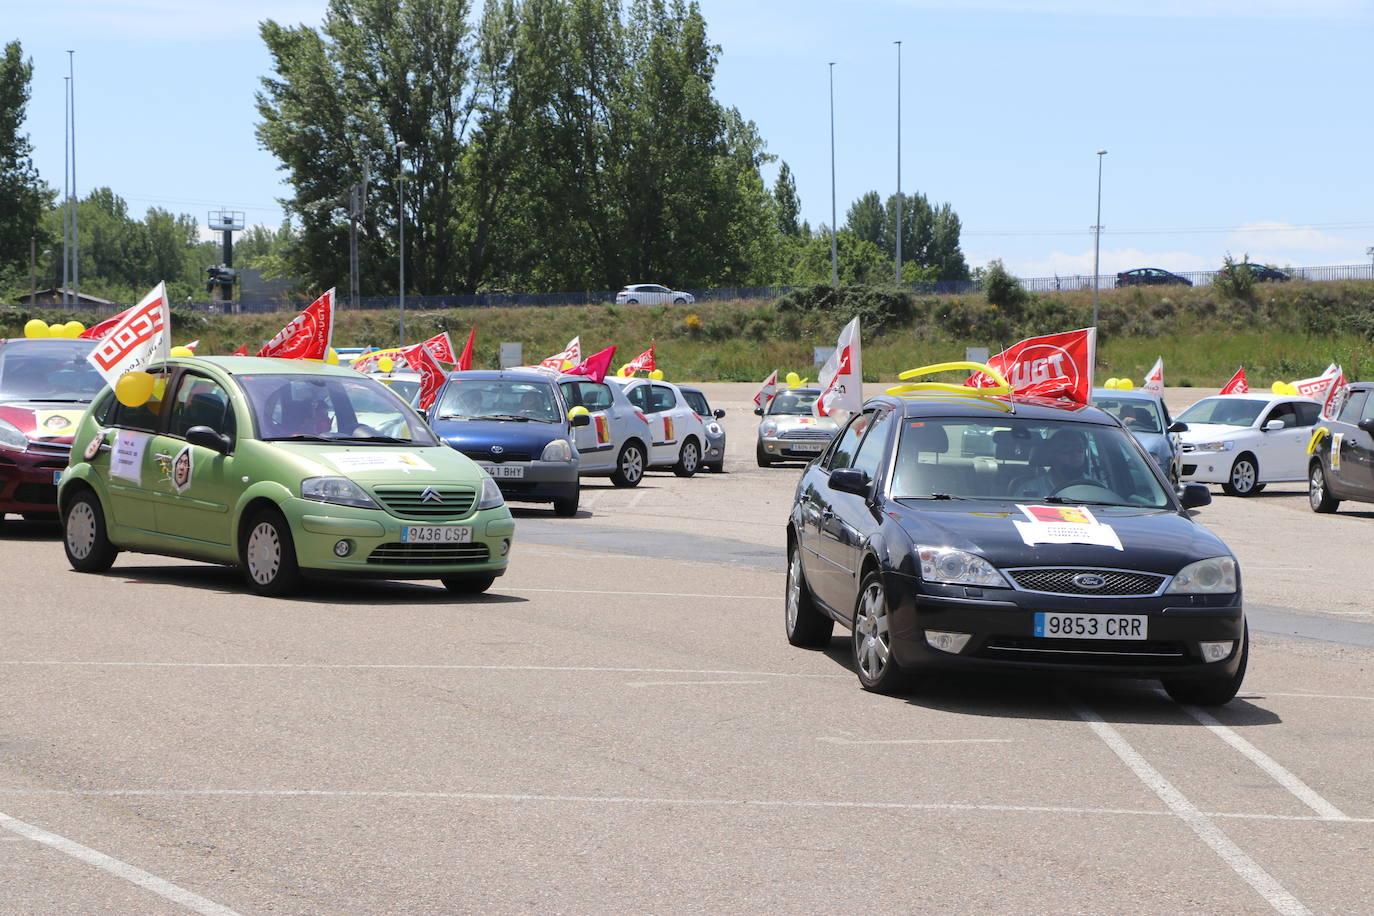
(1089, 580)
(497, 449)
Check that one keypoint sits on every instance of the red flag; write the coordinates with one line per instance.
(1055, 365)
(307, 335)
(441, 348)
(100, 329)
(1237, 385)
(644, 361)
(241, 351)
(595, 366)
(431, 373)
(465, 358)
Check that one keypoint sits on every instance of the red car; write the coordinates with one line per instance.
(45, 387)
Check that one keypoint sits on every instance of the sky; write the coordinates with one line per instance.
(1231, 126)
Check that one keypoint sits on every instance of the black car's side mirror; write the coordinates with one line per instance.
(758, 411)
(582, 419)
(1178, 426)
(719, 413)
(206, 437)
(1367, 424)
(849, 480)
(1195, 495)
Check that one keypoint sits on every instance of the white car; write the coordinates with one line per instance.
(678, 434)
(1244, 441)
(615, 443)
(652, 294)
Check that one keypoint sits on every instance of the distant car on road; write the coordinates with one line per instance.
(1260, 273)
(1150, 276)
(652, 294)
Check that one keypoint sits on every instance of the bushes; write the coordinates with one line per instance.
(876, 308)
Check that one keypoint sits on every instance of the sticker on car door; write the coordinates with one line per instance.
(126, 459)
(1336, 451)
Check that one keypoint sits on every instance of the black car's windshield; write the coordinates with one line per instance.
(1139, 415)
(1226, 410)
(331, 408)
(498, 399)
(50, 370)
(1005, 458)
(793, 402)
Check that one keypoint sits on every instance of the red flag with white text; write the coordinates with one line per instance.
(1154, 379)
(595, 366)
(1050, 366)
(100, 329)
(1237, 385)
(441, 348)
(841, 377)
(644, 361)
(306, 336)
(571, 356)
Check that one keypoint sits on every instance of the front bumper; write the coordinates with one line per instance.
(715, 451)
(539, 481)
(1206, 467)
(1002, 627)
(789, 449)
(376, 550)
(27, 481)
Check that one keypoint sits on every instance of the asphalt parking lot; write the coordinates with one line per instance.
(620, 725)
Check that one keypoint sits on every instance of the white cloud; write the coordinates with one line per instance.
(1284, 243)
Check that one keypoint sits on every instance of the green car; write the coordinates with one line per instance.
(284, 468)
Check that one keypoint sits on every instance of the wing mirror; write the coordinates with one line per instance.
(1195, 495)
(758, 411)
(580, 419)
(1367, 424)
(206, 437)
(849, 480)
(719, 413)
(1273, 426)
(1178, 426)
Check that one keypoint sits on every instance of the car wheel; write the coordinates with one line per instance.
(1244, 480)
(872, 640)
(764, 460)
(679, 301)
(629, 467)
(467, 585)
(688, 460)
(269, 555)
(1212, 691)
(806, 625)
(84, 537)
(632, 302)
(567, 507)
(1318, 496)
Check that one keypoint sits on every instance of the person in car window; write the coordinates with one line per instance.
(1058, 461)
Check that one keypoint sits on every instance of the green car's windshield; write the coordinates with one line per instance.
(1139, 415)
(794, 402)
(50, 370)
(1023, 460)
(498, 399)
(331, 408)
(1226, 410)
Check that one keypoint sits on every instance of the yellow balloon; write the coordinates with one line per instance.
(578, 411)
(1111, 382)
(134, 389)
(624, 371)
(1290, 388)
(159, 387)
(333, 357)
(1125, 384)
(656, 375)
(1278, 388)
(74, 329)
(386, 364)
(57, 330)
(36, 327)
(182, 351)
(793, 380)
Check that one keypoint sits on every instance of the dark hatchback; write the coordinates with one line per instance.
(1150, 276)
(1009, 533)
(1342, 463)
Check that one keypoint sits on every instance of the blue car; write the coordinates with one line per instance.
(516, 425)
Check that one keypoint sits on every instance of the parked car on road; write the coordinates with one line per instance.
(45, 387)
(1260, 273)
(713, 458)
(1150, 276)
(1342, 464)
(677, 435)
(789, 431)
(615, 443)
(652, 294)
(1245, 441)
(1146, 418)
(285, 468)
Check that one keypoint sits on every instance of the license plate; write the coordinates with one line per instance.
(505, 471)
(1090, 626)
(56, 477)
(436, 534)
(806, 446)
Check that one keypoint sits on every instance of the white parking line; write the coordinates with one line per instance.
(688, 683)
(1312, 696)
(603, 591)
(920, 741)
(325, 666)
(115, 867)
(1244, 866)
(1283, 777)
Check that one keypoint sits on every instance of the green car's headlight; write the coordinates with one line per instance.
(12, 438)
(1216, 576)
(491, 495)
(339, 491)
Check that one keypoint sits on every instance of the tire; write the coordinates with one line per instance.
(1244, 478)
(269, 555)
(806, 625)
(84, 536)
(679, 301)
(632, 302)
(1318, 495)
(717, 468)
(764, 460)
(872, 640)
(629, 465)
(1212, 691)
(567, 507)
(467, 585)
(688, 459)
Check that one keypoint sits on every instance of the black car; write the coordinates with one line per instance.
(1150, 276)
(1009, 533)
(1260, 273)
(1342, 464)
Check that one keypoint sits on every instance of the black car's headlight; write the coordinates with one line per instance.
(491, 495)
(338, 491)
(957, 567)
(12, 438)
(1215, 576)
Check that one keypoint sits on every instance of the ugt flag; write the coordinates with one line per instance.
(307, 335)
(140, 337)
(441, 348)
(421, 357)
(1237, 385)
(1051, 366)
(644, 361)
(770, 388)
(1154, 379)
(841, 377)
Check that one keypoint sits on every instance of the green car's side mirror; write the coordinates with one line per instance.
(206, 437)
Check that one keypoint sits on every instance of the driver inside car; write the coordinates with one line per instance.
(1059, 461)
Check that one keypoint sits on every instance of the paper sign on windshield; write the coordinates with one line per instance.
(1064, 525)
(386, 461)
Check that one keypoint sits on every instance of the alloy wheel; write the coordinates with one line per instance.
(873, 641)
(81, 530)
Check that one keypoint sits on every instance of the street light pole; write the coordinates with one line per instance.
(899, 162)
(401, 214)
(1097, 231)
(834, 248)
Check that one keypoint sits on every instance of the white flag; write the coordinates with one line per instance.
(141, 338)
(1154, 379)
(770, 388)
(1319, 386)
(571, 356)
(841, 377)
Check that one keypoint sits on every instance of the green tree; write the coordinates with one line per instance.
(867, 220)
(787, 202)
(23, 195)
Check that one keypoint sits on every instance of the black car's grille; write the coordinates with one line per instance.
(430, 554)
(411, 501)
(1099, 652)
(485, 455)
(1116, 583)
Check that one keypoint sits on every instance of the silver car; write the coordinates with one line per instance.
(1147, 419)
(713, 458)
(789, 430)
(616, 442)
